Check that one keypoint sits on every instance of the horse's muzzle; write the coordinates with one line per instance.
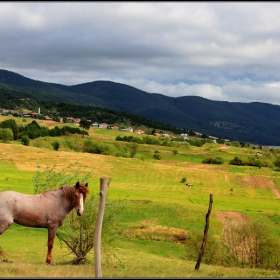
(79, 213)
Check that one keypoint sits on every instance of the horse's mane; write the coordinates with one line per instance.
(84, 190)
(69, 190)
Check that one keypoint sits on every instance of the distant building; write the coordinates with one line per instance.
(103, 125)
(184, 136)
(95, 124)
(46, 117)
(139, 131)
(128, 129)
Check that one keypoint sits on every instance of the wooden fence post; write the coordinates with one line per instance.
(98, 227)
(205, 234)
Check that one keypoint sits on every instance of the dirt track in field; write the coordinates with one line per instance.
(226, 217)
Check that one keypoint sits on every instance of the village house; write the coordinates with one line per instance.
(34, 115)
(4, 111)
(48, 118)
(15, 113)
(76, 121)
(103, 125)
(95, 124)
(139, 131)
(128, 129)
(70, 119)
(184, 136)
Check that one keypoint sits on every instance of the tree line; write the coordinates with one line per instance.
(95, 114)
(9, 130)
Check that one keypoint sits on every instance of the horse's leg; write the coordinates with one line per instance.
(5, 223)
(51, 236)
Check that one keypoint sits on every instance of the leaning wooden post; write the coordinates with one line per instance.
(205, 233)
(98, 227)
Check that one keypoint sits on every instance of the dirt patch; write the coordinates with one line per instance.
(276, 192)
(223, 168)
(169, 162)
(224, 148)
(197, 166)
(227, 217)
(260, 182)
(257, 181)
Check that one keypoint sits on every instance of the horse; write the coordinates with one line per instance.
(46, 210)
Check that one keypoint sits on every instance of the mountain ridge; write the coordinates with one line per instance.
(253, 122)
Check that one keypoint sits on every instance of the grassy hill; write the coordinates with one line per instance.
(160, 213)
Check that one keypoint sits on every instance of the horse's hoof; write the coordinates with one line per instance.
(51, 263)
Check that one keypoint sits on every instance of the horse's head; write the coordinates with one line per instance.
(81, 191)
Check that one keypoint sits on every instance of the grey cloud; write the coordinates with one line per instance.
(218, 50)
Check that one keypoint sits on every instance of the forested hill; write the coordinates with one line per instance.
(248, 122)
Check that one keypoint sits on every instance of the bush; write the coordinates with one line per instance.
(277, 163)
(213, 160)
(213, 249)
(236, 161)
(25, 140)
(13, 126)
(252, 244)
(157, 155)
(6, 134)
(184, 180)
(55, 145)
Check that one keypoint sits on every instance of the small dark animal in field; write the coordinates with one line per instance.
(46, 210)
(189, 185)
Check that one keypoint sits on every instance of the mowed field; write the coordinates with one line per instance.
(159, 211)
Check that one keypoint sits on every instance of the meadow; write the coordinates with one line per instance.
(160, 210)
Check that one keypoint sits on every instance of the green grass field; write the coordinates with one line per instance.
(159, 206)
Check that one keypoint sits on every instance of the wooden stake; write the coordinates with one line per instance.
(98, 227)
(202, 249)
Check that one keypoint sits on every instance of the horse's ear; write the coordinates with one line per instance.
(86, 184)
(77, 185)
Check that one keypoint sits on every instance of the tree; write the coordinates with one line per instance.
(84, 124)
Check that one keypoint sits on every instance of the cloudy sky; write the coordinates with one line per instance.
(226, 51)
